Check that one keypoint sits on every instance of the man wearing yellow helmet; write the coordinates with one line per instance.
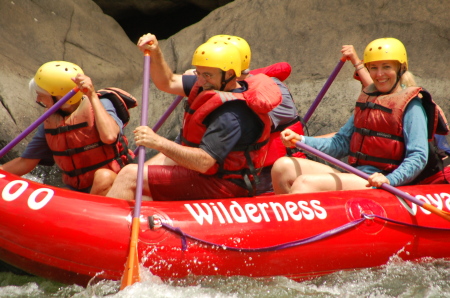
(385, 137)
(283, 116)
(223, 142)
(81, 137)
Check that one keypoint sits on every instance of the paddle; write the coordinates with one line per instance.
(324, 90)
(131, 274)
(169, 111)
(39, 120)
(164, 117)
(389, 188)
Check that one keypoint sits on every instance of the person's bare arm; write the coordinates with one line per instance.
(162, 76)
(349, 52)
(106, 125)
(192, 158)
(20, 166)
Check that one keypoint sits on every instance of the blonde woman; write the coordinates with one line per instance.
(387, 137)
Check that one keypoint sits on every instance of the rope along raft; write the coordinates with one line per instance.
(318, 237)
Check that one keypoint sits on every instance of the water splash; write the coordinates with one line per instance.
(398, 278)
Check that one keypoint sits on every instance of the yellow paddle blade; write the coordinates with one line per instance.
(131, 273)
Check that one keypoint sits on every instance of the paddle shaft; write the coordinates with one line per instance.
(39, 120)
(131, 273)
(357, 172)
(324, 90)
(141, 149)
(164, 117)
(363, 175)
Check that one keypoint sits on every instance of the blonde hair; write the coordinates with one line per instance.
(408, 80)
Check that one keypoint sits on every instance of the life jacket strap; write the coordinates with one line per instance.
(373, 133)
(362, 156)
(72, 151)
(64, 129)
(77, 172)
(372, 105)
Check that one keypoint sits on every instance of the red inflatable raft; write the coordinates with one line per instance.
(71, 237)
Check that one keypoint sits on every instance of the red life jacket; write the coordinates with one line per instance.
(378, 139)
(276, 147)
(76, 145)
(281, 71)
(262, 96)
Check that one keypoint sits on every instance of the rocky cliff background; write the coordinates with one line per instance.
(306, 33)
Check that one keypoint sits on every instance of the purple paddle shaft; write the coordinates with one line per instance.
(141, 149)
(164, 117)
(38, 121)
(357, 172)
(324, 90)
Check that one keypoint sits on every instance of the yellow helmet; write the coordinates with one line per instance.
(223, 55)
(241, 44)
(386, 49)
(55, 78)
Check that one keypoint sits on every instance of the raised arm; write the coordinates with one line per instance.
(349, 52)
(162, 76)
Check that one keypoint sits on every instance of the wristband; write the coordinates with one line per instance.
(359, 63)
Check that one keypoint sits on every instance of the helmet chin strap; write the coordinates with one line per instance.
(399, 75)
(61, 112)
(224, 82)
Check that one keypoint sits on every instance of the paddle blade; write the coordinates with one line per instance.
(131, 274)
(437, 211)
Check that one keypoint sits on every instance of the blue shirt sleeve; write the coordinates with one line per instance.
(416, 142)
(337, 146)
(233, 123)
(188, 82)
(37, 148)
(442, 143)
(286, 111)
(109, 107)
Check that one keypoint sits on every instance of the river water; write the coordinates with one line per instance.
(398, 278)
(430, 278)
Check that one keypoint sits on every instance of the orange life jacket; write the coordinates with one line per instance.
(242, 163)
(76, 145)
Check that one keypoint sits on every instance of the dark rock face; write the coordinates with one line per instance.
(307, 34)
(163, 18)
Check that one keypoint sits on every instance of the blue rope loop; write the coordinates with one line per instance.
(183, 237)
(372, 216)
(295, 243)
(307, 240)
